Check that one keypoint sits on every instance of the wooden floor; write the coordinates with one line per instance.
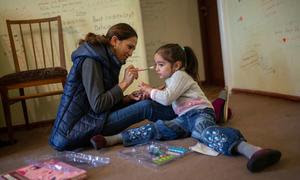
(211, 92)
(264, 121)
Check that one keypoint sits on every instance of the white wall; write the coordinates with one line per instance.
(171, 21)
(261, 44)
(78, 18)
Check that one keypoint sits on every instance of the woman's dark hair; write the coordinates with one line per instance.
(174, 52)
(121, 30)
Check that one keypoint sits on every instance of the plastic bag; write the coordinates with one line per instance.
(80, 160)
(154, 154)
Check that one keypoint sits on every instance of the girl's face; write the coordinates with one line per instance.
(123, 49)
(162, 67)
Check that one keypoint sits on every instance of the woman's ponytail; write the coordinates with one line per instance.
(121, 30)
(94, 39)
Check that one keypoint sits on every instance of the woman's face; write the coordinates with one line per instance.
(123, 48)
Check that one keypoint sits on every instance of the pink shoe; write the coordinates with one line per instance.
(98, 141)
(263, 159)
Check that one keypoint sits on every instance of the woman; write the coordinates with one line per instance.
(93, 101)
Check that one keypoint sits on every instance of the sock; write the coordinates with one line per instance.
(247, 149)
(112, 140)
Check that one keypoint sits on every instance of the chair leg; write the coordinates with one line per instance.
(7, 115)
(63, 83)
(24, 107)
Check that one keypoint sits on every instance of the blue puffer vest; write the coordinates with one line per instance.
(76, 122)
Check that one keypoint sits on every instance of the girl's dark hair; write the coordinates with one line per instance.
(174, 52)
(121, 30)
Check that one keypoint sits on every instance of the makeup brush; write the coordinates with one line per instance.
(148, 68)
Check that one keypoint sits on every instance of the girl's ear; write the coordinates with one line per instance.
(177, 65)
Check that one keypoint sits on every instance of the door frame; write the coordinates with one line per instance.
(205, 40)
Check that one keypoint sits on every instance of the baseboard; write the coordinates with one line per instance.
(264, 93)
(33, 125)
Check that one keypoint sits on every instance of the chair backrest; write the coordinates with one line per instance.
(36, 43)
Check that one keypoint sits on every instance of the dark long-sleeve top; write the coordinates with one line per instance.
(92, 78)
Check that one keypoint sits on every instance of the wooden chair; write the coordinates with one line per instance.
(39, 59)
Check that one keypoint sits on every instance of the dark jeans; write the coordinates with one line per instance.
(121, 119)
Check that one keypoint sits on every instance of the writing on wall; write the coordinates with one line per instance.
(265, 38)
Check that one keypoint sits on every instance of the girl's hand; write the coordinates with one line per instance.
(145, 88)
(135, 96)
(139, 95)
(143, 95)
(130, 74)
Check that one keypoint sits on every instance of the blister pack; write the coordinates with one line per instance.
(154, 154)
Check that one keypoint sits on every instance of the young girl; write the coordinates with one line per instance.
(196, 116)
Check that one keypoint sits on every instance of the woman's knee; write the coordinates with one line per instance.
(146, 103)
(146, 106)
(154, 111)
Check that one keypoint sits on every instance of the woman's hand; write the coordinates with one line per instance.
(130, 74)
